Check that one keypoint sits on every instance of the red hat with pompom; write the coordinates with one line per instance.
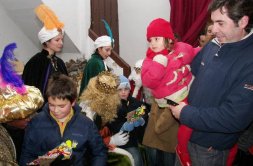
(160, 28)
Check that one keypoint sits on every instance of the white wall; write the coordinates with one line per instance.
(134, 17)
(76, 18)
(11, 33)
(133, 20)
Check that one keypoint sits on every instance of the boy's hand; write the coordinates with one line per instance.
(176, 110)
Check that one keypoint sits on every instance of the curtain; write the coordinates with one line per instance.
(187, 18)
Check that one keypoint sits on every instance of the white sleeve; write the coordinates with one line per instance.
(163, 60)
(89, 113)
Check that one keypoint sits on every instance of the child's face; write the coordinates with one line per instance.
(209, 30)
(157, 44)
(59, 108)
(202, 40)
(124, 93)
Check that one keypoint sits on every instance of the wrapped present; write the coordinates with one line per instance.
(64, 149)
(17, 101)
(135, 120)
(14, 106)
(139, 112)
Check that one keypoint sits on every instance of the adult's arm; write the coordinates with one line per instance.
(233, 114)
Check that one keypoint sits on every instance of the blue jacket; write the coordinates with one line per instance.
(221, 96)
(43, 134)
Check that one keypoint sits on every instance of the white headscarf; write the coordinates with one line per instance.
(45, 34)
(103, 41)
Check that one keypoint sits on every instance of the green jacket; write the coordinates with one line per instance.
(94, 66)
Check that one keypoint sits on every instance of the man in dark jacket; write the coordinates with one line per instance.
(220, 98)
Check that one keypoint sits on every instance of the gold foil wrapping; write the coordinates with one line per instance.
(14, 106)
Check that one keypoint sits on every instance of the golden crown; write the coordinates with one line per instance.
(107, 82)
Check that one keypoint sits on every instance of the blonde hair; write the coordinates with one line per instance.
(103, 103)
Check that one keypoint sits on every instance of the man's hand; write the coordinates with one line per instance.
(176, 110)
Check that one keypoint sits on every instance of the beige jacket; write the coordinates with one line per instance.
(161, 130)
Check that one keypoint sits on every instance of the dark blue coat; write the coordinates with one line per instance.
(43, 134)
(221, 96)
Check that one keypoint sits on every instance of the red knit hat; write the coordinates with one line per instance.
(159, 28)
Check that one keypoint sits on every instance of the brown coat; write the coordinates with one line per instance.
(161, 130)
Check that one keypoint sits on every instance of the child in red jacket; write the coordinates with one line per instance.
(166, 72)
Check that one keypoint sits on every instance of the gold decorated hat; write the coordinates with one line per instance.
(101, 96)
(107, 82)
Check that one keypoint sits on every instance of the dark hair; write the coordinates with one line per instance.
(60, 32)
(208, 23)
(236, 9)
(96, 51)
(62, 87)
(45, 43)
(166, 42)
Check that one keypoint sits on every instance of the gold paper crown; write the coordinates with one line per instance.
(107, 82)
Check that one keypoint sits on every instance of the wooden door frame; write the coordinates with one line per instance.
(108, 10)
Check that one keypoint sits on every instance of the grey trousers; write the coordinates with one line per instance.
(201, 156)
